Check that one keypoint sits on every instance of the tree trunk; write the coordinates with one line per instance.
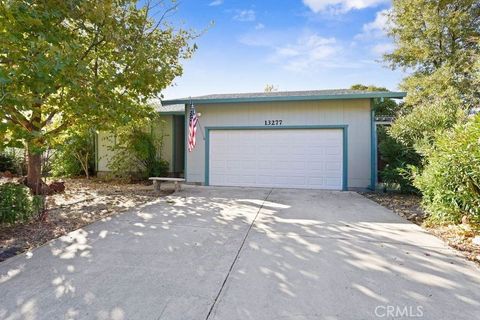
(34, 171)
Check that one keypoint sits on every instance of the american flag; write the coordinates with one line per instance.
(192, 128)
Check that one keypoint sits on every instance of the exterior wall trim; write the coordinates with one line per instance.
(185, 151)
(174, 139)
(373, 148)
(370, 95)
(344, 129)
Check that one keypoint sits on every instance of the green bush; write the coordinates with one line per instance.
(75, 155)
(65, 164)
(400, 161)
(16, 203)
(450, 181)
(137, 156)
(7, 163)
(12, 160)
(159, 168)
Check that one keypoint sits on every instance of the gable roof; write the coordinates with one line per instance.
(310, 95)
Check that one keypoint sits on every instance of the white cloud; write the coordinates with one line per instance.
(216, 3)
(244, 15)
(382, 48)
(341, 5)
(376, 28)
(259, 26)
(308, 52)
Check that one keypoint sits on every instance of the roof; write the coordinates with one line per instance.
(310, 95)
(168, 109)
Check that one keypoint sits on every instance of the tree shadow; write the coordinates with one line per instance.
(309, 255)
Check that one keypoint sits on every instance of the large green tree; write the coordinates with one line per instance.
(437, 42)
(69, 62)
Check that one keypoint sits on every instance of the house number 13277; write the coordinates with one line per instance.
(273, 122)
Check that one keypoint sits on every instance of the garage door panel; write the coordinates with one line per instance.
(329, 151)
(296, 158)
(316, 166)
(333, 166)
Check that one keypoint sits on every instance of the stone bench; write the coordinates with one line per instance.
(158, 180)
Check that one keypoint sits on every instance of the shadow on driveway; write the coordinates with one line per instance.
(236, 253)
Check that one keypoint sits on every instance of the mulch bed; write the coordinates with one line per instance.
(458, 237)
(83, 202)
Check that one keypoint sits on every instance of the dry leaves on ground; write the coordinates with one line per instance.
(83, 202)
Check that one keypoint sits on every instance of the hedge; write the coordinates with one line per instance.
(450, 181)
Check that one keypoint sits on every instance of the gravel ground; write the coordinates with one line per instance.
(461, 237)
(83, 202)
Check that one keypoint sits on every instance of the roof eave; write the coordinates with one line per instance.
(392, 95)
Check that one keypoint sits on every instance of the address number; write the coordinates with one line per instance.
(273, 122)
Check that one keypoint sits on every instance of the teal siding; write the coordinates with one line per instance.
(373, 148)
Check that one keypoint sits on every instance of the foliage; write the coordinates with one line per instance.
(16, 203)
(418, 129)
(75, 155)
(11, 160)
(137, 155)
(437, 41)
(65, 63)
(7, 162)
(270, 88)
(400, 161)
(450, 182)
(387, 107)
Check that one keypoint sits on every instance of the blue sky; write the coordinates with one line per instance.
(291, 44)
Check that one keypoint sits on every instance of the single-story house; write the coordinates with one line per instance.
(321, 139)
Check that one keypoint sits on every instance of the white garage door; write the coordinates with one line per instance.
(282, 158)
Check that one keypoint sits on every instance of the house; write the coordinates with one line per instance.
(321, 139)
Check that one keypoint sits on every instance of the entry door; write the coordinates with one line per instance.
(279, 158)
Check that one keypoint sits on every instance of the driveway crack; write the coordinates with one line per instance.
(236, 257)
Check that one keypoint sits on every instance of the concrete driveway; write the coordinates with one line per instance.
(233, 253)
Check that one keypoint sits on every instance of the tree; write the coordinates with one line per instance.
(270, 88)
(67, 62)
(437, 41)
(382, 107)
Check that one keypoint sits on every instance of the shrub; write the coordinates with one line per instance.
(16, 203)
(400, 162)
(450, 181)
(65, 164)
(7, 163)
(75, 155)
(137, 157)
(159, 168)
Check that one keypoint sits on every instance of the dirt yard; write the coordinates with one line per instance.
(460, 237)
(83, 202)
